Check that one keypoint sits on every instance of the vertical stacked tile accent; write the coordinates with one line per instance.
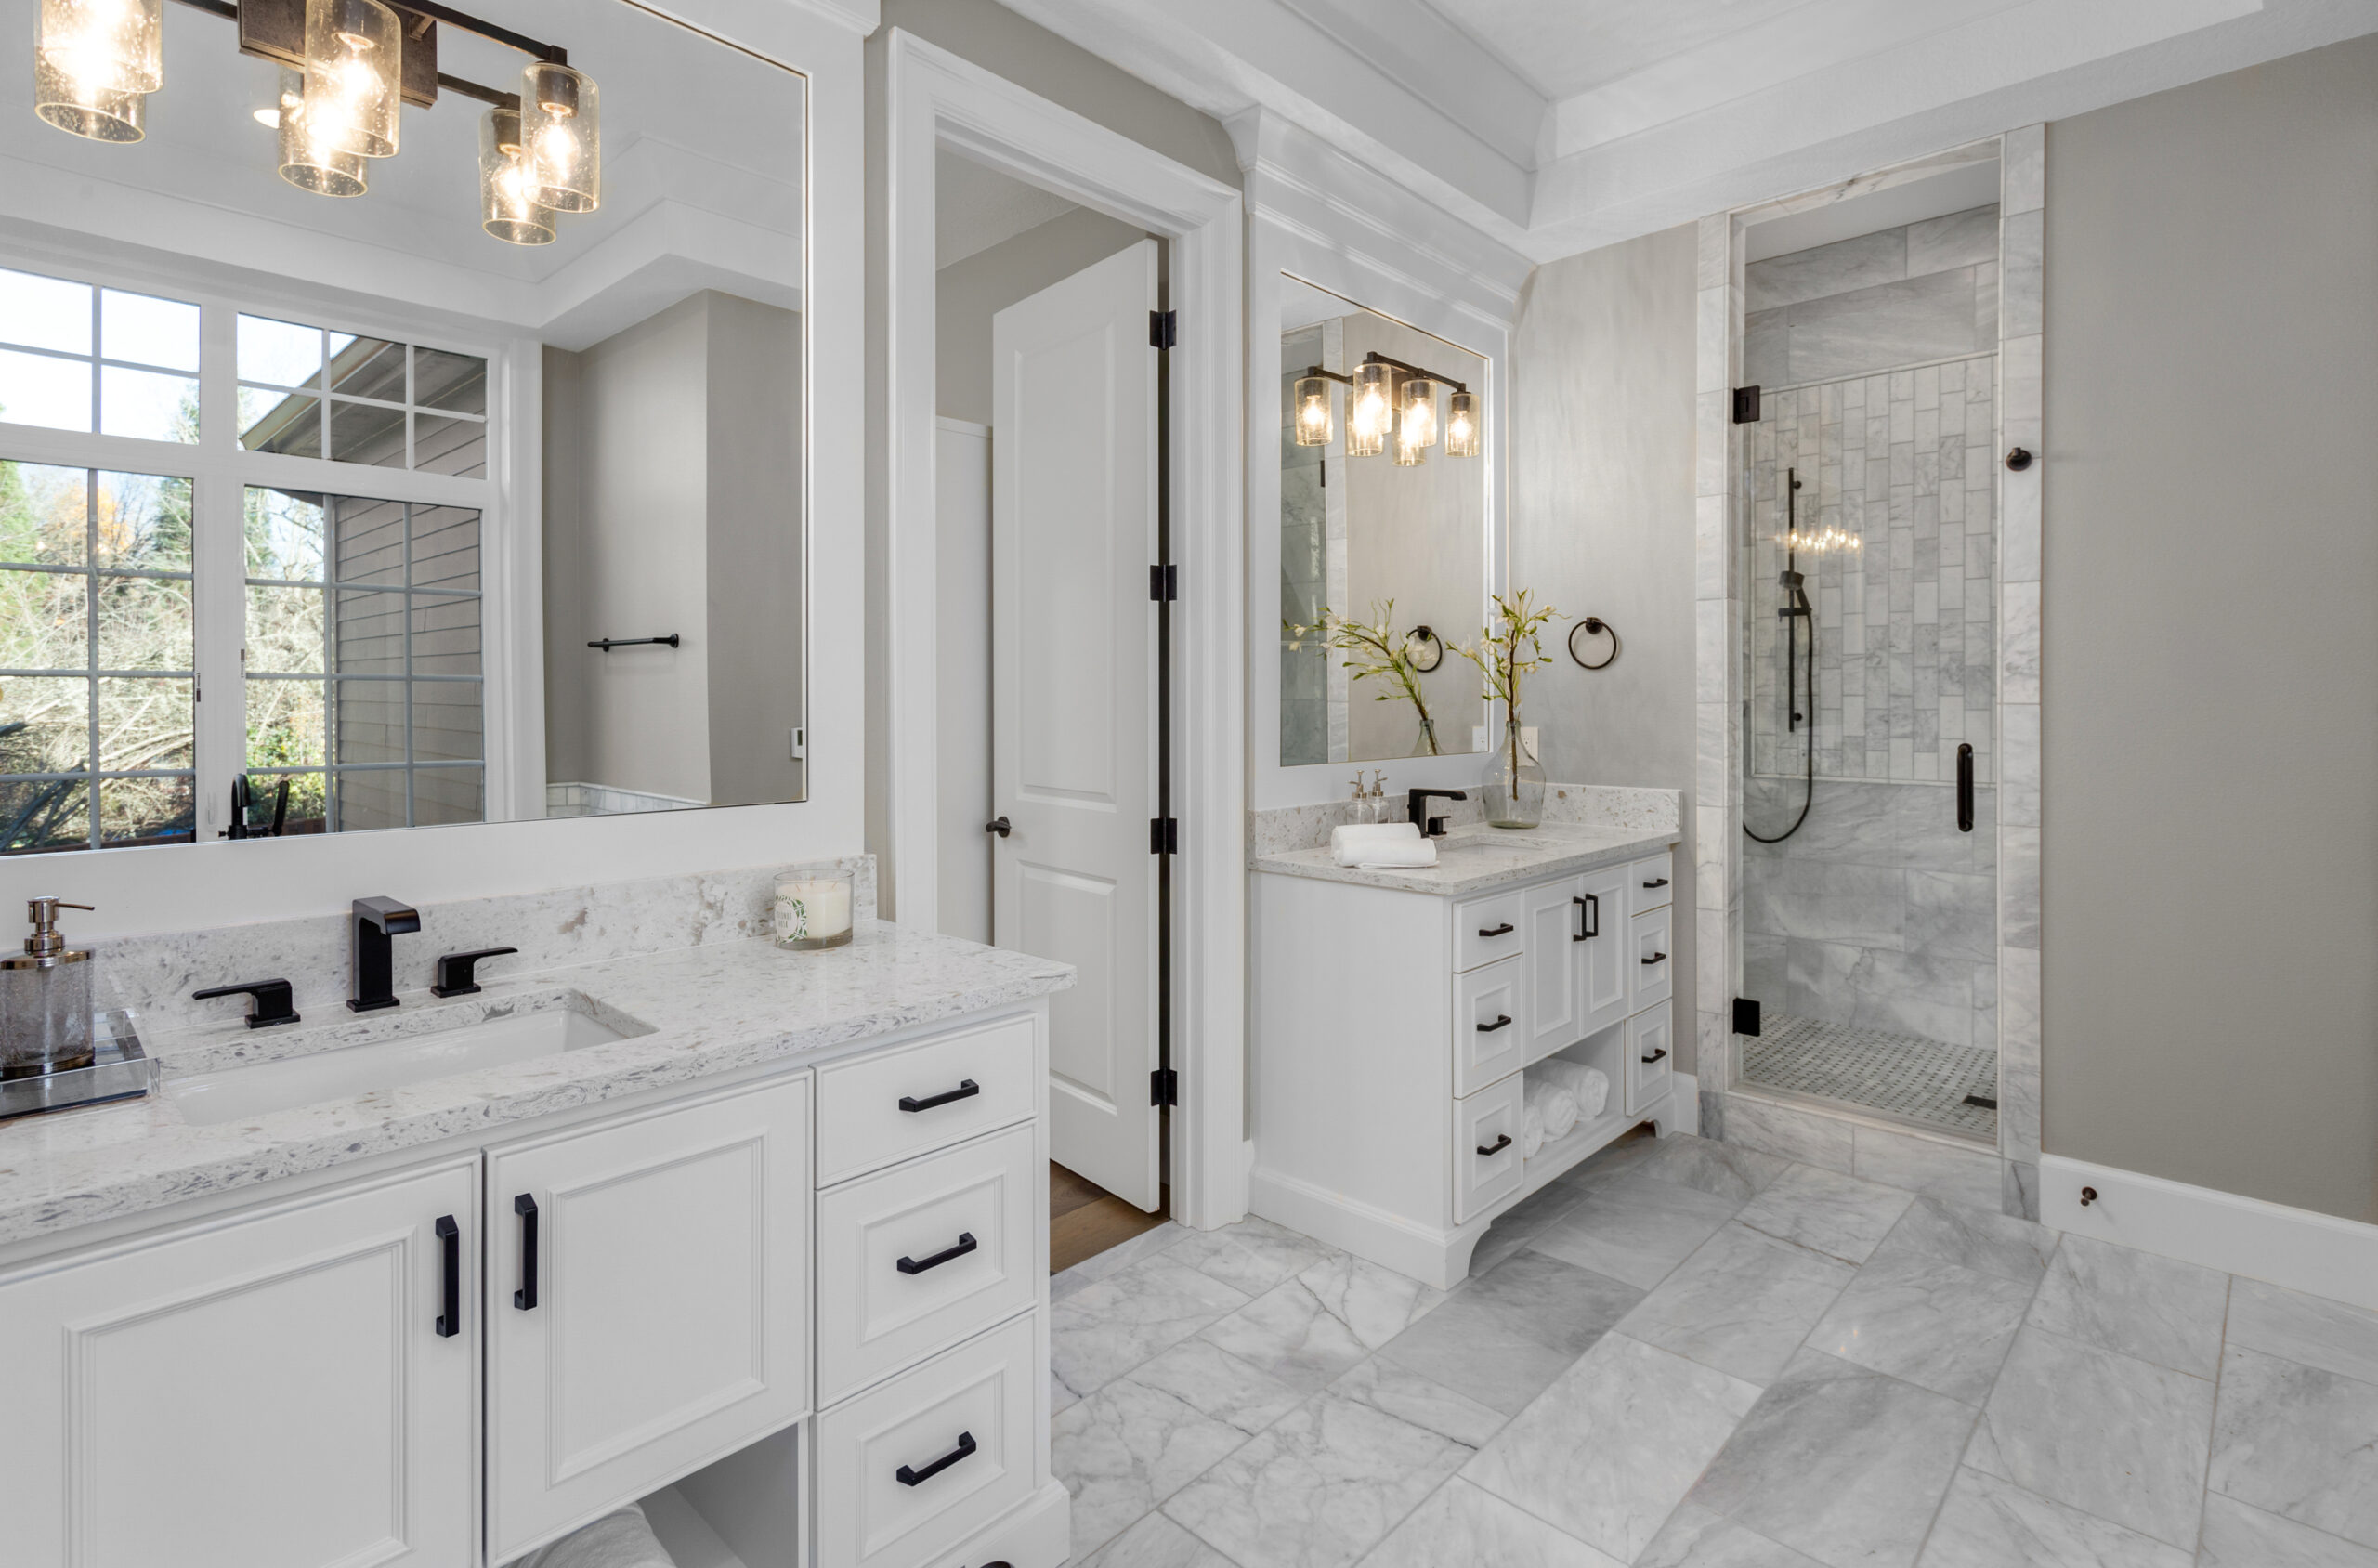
(1718, 782)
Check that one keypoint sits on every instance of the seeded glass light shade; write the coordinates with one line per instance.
(354, 57)
(1370, 410)
(82, 109)
(311, 161)
(1461, 424)
(1314, 424)
(1409, 452)
(506, 208)
(1419, 414)
(93, 61)
(561, 126)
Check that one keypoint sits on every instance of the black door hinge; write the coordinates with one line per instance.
(1164, 583)
(1745, 1016)
(1164, 835)
(1163, 1087)
(1746, 405)
(1163, 327)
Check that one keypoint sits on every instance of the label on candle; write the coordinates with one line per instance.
(811, 910)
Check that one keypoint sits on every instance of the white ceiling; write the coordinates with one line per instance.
(976, 206)
(1558, 126)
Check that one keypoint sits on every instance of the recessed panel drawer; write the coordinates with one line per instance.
(1650, 883)
(1490, 1027)
(1649, 1064)
(1485, 930)
(1486, 1154)
(912, 1468)
(917, 1257)
(886, 1107)
(1651, 972)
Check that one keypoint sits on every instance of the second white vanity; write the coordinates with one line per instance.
(1395, 1013)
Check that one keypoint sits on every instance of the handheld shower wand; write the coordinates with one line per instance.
(1795, 608)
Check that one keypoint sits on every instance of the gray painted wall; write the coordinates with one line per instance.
(2210, 857)
(968, 293)
(1603, 519)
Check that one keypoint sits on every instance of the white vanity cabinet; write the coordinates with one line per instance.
(1393, 1026)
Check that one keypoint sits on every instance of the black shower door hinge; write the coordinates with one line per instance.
(1163, 327)
(1164, 835)
(1164, 583)
(1746, 405)
(1163, 1087)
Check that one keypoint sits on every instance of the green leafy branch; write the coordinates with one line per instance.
(1374, 652)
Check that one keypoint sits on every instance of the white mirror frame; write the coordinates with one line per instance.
(1317, 215)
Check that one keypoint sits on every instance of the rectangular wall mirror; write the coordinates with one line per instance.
(414, 437)
(1383, 535)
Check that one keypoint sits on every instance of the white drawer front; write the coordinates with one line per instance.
(1487, 1162)
(990, 1392)
(1485, 930)
(972, 1207)
(863, 1122)
(1651, 969)
(1650, 1056)
(1489, 1024)
(1651, 883)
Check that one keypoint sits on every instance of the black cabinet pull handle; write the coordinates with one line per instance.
(1658, 881)
(908, 1477)
(966, 1243)
(1503, 930)
(526, 1297)
(1590, 926)
(1501, 1142)
(1502, 1022)
(450, 1243)
(967, 1088)
(1656, 958)
(1964, 788)
(1655, 1055)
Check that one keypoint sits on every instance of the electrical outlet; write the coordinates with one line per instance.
(796, 742)
(1478, 738)
(1478, 741)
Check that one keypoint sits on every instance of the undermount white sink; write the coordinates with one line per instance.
(436, 1050)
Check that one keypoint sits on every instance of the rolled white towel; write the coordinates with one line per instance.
(1414, 850)
(1531, 1130)
(616, 1540)
(1557, 1105)
(1589, 1086)
(1368, 835)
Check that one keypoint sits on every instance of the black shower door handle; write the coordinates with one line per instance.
(1964, 788)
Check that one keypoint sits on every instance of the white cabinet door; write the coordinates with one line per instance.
(1604, 956)
(1489, 1025)
(1651, 971)
(267, 1392)
(1649, 1064)
(1552, 918)
(646, 1305)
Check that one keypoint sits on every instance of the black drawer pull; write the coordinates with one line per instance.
(966, 1243)
(1502, 1020)
(1590, 926)
(908, 1477)
(1503, 930)
(1656, 958)
(1502, 1142)
(450, 1244)
(526, 1297)
(1655, 1055)
(967, 1088)
(1658, 881)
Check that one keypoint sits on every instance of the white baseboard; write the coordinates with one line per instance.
(2317, 1253)
(1439, 1259)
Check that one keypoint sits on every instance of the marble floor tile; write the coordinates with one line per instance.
(1787, 1133)
(2106, 1433)
(1215, 1383)
(2119, 1298)
(1125, 1449)
(1521, 1224)
(1375, 1303)
(1508, 1333)
(2318, 1332)
(1989, 1243)
(1157, 1542)
(1742, 1303)
(1992, 1523)
(1634, 1229)
(1466, 1525)
(1319, 1488)
(1842, 1464)
(1289, 1334)
(1731, 1170)
(1112, 1325)
(1607, 1451)
(1424, 1402)
(1827, 1212)
(2297, 1441)
(1934, 1323)
(1091, 1270)
(1694, 1537)
(2238, 1536)
(1252, 1256)
(1060, 1396)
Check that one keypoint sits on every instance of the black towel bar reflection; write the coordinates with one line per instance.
(608, 644)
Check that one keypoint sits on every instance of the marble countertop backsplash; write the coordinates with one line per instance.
(1284, 829)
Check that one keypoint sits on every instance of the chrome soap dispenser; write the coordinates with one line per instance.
(46, 1000)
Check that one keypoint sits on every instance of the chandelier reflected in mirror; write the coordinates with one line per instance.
(1387, 399)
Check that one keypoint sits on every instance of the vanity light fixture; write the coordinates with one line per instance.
(353, 60)
(95, 62)
(1418, 417)
(1461, 424)
(311, 158)
(1370, 409)
(1315, 426)
(561, 127)
(1389, 397)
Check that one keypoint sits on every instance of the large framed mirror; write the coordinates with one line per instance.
(401, 419)
(1385, 553)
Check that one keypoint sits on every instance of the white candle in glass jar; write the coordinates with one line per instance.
(812, 911)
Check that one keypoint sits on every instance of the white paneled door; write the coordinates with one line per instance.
(1074, 695)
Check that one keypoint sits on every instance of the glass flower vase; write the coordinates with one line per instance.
(1514, 791)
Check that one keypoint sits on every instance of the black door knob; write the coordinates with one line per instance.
(999, 825)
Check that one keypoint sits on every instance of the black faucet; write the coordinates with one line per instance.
(376, 920)
(1417, 809)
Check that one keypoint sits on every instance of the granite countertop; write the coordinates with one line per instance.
(1478, 858)
(703, 1010)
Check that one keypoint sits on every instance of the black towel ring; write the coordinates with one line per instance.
(1428, 649)
(1593, 626)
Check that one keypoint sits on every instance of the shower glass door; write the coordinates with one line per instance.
(1869, 908)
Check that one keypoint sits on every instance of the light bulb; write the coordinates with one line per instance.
(1461, 424)
(561, 127)
(354, 60)
(92, 63)
(1420, 414)
(1410, 453)
(508, 207)
(1313, 411)
(1370, 412)
(310, 156)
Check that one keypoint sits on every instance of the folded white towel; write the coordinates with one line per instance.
(1531, 1130)
(1366, 836)
(616, 1540)
(1589, 1086)
(1411, 852)
(1556, 1106)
